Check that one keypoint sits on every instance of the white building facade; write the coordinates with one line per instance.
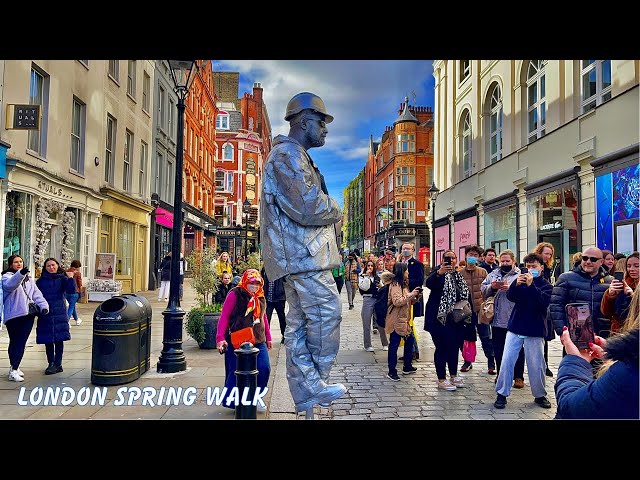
(535, 150)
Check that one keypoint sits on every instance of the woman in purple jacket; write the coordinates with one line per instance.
(19, 290)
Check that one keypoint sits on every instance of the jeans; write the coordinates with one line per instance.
(351, 292)
(499, 337)
(368, 320)
(72, 299)
(54, 352)
(19, 329)
(230, 362)
(393, 352)
(535, 364)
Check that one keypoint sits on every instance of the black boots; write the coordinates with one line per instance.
(51, 369)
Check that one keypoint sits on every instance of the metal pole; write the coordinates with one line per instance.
(433, 234)
(172, 357)
(246, 379)
(246, 235)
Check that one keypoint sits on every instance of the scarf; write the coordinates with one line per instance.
(252, 275)
(453, 283)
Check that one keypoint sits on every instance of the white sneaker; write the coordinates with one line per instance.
(78, 321)
(385, 348)
(14, 377)
(19, 372)
(370, 349)
(446, 385)
(457, 381)
(260, 408)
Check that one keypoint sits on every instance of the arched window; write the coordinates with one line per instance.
(465, 145)
(494, 109)
(596, 83)
(227, 152)
(536, 104)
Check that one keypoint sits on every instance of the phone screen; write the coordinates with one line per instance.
(619, 276)
(447, 260)
(580, 325)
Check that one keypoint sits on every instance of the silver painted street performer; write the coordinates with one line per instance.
(297, 228)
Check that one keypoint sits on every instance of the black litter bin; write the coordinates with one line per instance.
(121, 349)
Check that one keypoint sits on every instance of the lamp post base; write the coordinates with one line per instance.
(172, 357)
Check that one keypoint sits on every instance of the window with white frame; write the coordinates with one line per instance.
(536, 104)
(495, 125)
(429, 175)
(405, 176)
(220, 176)
(222, 121)
(172, 128)
(146, 87)
(109, 158)
(39, 95)
(228, 211)
(390, 183)
(170, 176)
(406, 210)
(227, 152)
(381, 190)
(162, 96)
(228, 182)
(78, 115)
(124, 248)
(131, 78)
(86, 253)
(114, 69)
(596, 83)
(157, 171)
(128, 156)
(406, 142)
(465, 70)
(142, 175)
(465, 145)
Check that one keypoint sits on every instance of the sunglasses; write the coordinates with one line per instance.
(592, 259)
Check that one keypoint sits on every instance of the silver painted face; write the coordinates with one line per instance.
(316, 130)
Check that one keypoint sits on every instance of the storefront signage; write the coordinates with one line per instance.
(466, 233)
(231, 233)
(406, 232)
(192, 218)
(164, 217)
(51, 189)
(251, 148)
(251, 179)
(23, 117)
(551, 226)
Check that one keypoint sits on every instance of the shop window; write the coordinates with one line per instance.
(124, 249)
(105, 234)
(17, 228)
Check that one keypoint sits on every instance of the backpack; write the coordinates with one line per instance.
(381, 305)
(487, 311)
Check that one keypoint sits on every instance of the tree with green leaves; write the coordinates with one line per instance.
(204, 276)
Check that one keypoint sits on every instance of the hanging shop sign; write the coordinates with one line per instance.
(23, 117)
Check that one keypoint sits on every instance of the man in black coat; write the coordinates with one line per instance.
(275, 296)
(416, 279)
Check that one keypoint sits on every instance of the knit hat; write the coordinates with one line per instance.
(386, 277)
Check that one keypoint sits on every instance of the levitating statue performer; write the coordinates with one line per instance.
(299, 243)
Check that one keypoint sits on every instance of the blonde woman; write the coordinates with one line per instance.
(224, 264)
(547, 252)
(614, 392)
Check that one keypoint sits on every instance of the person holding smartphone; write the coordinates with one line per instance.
(531, 294)
(615, 302)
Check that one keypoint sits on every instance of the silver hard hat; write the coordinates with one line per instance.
(304, 101)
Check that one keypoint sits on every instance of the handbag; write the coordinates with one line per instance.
(469, 351)
(241, 336)
(487, 311)
(461, 311)
(34, 310)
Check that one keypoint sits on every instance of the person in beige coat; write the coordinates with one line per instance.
(397, 320)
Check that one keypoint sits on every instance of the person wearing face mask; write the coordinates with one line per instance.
(496, 285)
(474, 276)
(416, 280)
(531, 294)
(245, 306)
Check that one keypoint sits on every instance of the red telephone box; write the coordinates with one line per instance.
(424, 255)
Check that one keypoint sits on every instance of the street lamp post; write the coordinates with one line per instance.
(433, 194)
(246, 209)
(172, 357)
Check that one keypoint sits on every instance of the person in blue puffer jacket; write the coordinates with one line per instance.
(52, 329)
(614, 392)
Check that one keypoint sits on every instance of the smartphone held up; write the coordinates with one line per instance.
(580, 325)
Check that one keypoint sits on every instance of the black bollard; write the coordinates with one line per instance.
(246, 379)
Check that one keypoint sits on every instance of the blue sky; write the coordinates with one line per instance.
(362, 95)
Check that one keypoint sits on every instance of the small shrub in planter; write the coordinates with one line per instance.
(195, 321)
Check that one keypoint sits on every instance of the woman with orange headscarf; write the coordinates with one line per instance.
(244, 310)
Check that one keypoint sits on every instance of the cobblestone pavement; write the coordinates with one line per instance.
(371, 395)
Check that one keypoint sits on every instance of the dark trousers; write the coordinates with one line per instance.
(447, 340)
(279, 308)
(339, 283)
(54, 352)
(394, 343)
(19, 329)
(499, 336)
(230, 361)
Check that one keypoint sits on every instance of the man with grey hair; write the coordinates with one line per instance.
(297, 229)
